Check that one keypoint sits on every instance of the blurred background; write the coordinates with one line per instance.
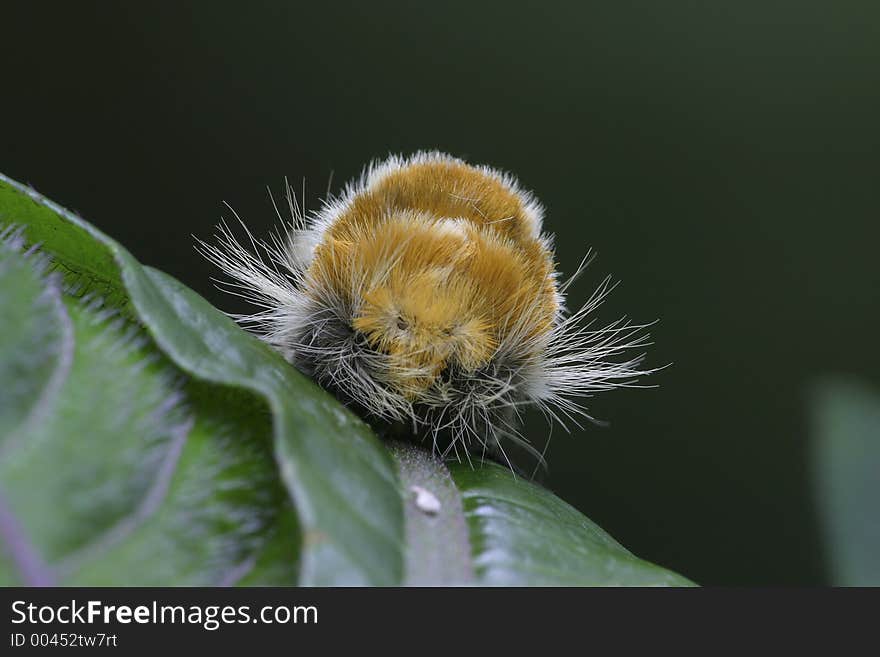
(721, 157)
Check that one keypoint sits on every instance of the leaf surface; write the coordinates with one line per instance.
(846, 466)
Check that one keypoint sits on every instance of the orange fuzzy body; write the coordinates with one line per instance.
(426, 296)
(440, 263)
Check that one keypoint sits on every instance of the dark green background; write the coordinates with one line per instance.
(722, 157)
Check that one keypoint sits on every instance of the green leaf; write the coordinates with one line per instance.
(33, 328)
(76, 246)
(162, 470)
(125, 473)
(523, 535)
(484, 526)
(438, 548)
(337, 473)
(846, 465)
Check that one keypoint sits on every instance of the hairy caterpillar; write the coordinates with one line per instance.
(426, 296)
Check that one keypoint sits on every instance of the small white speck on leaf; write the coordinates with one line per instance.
(426, 501)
